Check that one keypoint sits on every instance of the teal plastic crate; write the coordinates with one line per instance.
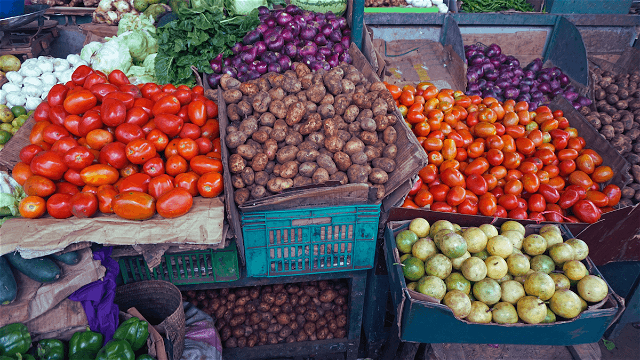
(11, 8)
(311, 240)
(185, 268)
(588, 6)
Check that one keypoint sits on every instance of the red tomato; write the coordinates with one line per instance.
(59, 206)
(202, 164)
(602, 174)
(39, 186)
(210, 129)
(28, 152)
(568, 198)
(84, 204)
(150, 89)
(613, 193)
(132, 90)
(537, 203)
(153, 167)
(57, 95)
(169, 124)
(439, 192)
(508, 201)
(158, 138)
(90, 121)
(80, 74)
(580, 178)
(530, 183)
(125, 133)
(487, 204)
(135, 182)
(32, 207)
(423, 198)
(160, 185)
(134, 205)
(452, 177)
(99, 174)
(102, 90)
(79, 102)
(66, 188)
(204, 145)
(456, 195)
(57, 114)
(140, 150)
(167, 105)
(113, 112)
(73, 177)
(477, 184)
(212, 109)
(174, 203)
(187, 148)
(137, 116)
(598, 198)
(144, 103)
(78, 158)
(48, 164)
(105, 195)
(117, 77)
(586, 211)
(127, 99)
(210, 184)
(114, 154)
(550, 194)
(41, 113)
(197, 111)
(98, 138)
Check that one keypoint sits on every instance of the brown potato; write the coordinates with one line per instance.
(359, 158)
(320, 176)
(315, 93)
(327, 296)
(357, 174)
(237, 182)
(241, 196)
(327, 99)
(236, 163)
(235, 321)
(369, 137)
(342, 160)
(351, 113)
(291, 84)
(249, 89)
(227, 82)
(309, 328)
(246, 151)
(326, 162)
(317, 138)
(326, 111)
(287, 153)
(378, 176)
(333, 83)
(279, 184)
(341, 320)
(248, 126)
(235, 139)
(390, 151)
(348, 87)
(232, 96)
(307, 169)
(304, 156)
(283, 319)
(306, 81)
(385, 164)
(295, 113)
(302, 96)
(261, 102)
(289, 170)
(291, 99)
(379, 107)
(333, 144)
(372, 152)
(278, 109)
(341, 177)
(353, 146)
(390, 136)
(277, 94)
(248, 176)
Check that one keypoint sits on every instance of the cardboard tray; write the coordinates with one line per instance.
(10, 154)
(416, 312)
(410, 160)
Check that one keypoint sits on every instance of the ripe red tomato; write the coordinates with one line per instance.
(160, 185)
(153, 167)
(57, 94)
(613, 193)
(210, 129)
(212, 109)
(63, 145)
(452, 177)
(530, 183)
(66, 188)
(210, 184)
(135, 182)
(167, 105)
(32, 207)
(602, 174)
(59, 206)
(580, 178)
(113, 112)
(191, 131)
(39, 186)
(174, 203)
(537, 203)
(598, 198)
(41, 113)
(53, 133)
(90, 121)
(197, 111)
(188, 181)
(586, 211)
(508, 201)
(84, 204)
(78, 158)
(139, 151)
(73, 177)
(99, 138)
(205, 145)
(423, 198)
(79, 102)
(28, 152)
(202, 164)
(114, 154)
(487, 204)
(550, 194)
(117, 77)
(48, 164)
(99, 174)
(477, 184)
(169, 124)
(105, 195)
(134, 205)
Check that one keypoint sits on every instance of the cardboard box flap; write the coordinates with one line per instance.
(34, 238)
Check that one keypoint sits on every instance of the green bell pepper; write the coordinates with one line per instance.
(51, 349)
(134, 331)
(14, 339)
(85, 344)
(116, 350)
(145, 357)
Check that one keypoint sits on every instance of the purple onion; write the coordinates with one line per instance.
(275, 43)
(249, 55)
(544, 87)
(294, 27)
(533, 105)
(216, 63)
(325, 51)
(584, 101)
(335, 36)
(476, 59)
(243, 68)
(269, 57)
(290, 50)
(555, 85)
(319, 17)
(346, 57)
(326, 30)
(557, 92)
(491, 75)
(230, 70)
(226, 62)
(252, 65)
(474, 93)
(236, 61)
(524, 97)
(262, 28)
(287, 35)
(214, 80)
(347, 33)
(307, 15)
(283, 18)
(253, 74)
(300, 21)
(576, 105)
(308, 50)
(335, 24)
(343, 22)
(270, 21)
(263, 10)
(334, 60)
(274, 67)
(495, 62)
(345, 41)
(237, 48)
(524, 89)
(260, 47)
(482, 83)
(564, 80)
(486, 67)
(330, 15)
(556, 72)
(536, 94)
(261, 67)
(320, 40)
(242, 77)
(285, 62)
(315, 65)
(488, 93)
(292, 9)
(320, 56)
(308, 59)
(473, 87)
(337, 48)
(511, 93)
(308, 33)
(493, 50)
(251, 37)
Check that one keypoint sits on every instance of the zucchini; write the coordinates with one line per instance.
(40, 269)
(68, 258)
(8, 286)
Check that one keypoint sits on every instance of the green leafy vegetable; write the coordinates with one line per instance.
(198, 35)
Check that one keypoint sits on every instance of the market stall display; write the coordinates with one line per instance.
(482, 6)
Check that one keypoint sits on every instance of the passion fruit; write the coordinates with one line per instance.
(458, 302)
(424, 248)
(440, 225)
(580, 248)
(496, 267)
(504, 313)
(483, 255)
(542, 263)
(405, 240)
(474, 269)
(550, 318)
(592, 288)
(518, 264)
(561, 253)
(534, 244)
(531, 309)
(511, 291)
(575, 270)
(540, 284)
(512, 225)
(438, 265)
(500, 246)
(453, 245)
(489, 230)
(419, 226)
(565, 303)
(488, 291)
(476, 239)
(456, 281)
(457, 262)
(432, 286)
(561, 281)
(552, 238)
(480, 313)
(515, 237)
(413, 268)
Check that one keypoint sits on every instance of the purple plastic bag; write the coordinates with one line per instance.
(97, 298)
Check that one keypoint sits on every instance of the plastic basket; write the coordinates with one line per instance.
(11, 8)
(185, 268)
(311, 240)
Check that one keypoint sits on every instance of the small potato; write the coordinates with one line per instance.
(326, 162)
(372, 152)
(348, 87)
(317, 138)
(390, 136)
(236, 163)
(237, 182)
(316, 93)
(269, 168)
(260, 136)
(291, 84)
(275, 79)
(287, 153)
(341, 103)
(378, 86)
(390, 151)
(232, 96)
(333, 83)
(246, 151)
(327, 99)
(301, 69)
(293, 138)
(308, 169)
(344, 135)
(302, 96)
(267, 119)
(364, 114)
(378, 176)
(248, 176)
(313, 124)
(326, 111)
(235, 139)
(342, 160)
(261, 102)
(357, 174)
(277, 94)
(333, 144)
(341, 320)
(340, 176)
(320, 176)
(308, 145)
(307, 155)
(279, 184)
(359, 158)
(232, 113)
(259, 162)
(263, 84)
(361, 100)
(295, 113)
(379, 107)
(291, 99)
(278, 134)
(249, 89)
(302, 181)
(283, 319)
(330, 127)
(241, 196)
(248, 126)
(306, 81)
(351, 113)
(386, 164)
(369, 137)
(244, 109)
(368, 124)
(227, 82)
(258, 192)
(278, 109)
(388, 98)
(289, 170)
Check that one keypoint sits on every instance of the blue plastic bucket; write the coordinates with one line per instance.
(10, 8)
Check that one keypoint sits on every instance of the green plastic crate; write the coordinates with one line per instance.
(185, 268)
(311, 240)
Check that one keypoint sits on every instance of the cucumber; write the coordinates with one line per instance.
(8, 286)
(41, 269)
(69, 258)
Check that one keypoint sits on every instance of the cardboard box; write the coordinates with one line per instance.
(10, 154)
(410, 160)
(422, 319)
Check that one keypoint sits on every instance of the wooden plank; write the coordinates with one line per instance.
(408, 351)
(448, 351)
(586, 351)
(70, 10)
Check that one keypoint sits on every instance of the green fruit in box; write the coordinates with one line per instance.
(496, 267)
(476, 239)
(413, 268)
(518, 264)
(488, 291)
(474, 269)
(489, 230)
(453, 245)
(592, 288)
(6, 116)
(531, 309)
(457, 262)
(504, 278)
(456, 281)
(512, 225)
(561, 281)
(18, 110)
(552, 238)
(5, 136)
(419, 226)
(504, 313)
(9, 63)
(541, 285)
(580, 248)
(140, 5)
(575, 270)
(439, 226)
(542, 263)
(438, 265)
(561, 253)
(424, 248)
(550, 318)
(534, 244)
(458, 302)
(511, 291)
(565, 303)
(479, 313)
(432, 286)
(405, 240)
(515, 237)
(550, 227)
(500, 246)
(482, 255)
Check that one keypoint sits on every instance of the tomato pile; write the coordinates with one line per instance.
(101, 143)
(499, 159)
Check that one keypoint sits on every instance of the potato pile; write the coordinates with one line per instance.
(301, 128)
(618, 120)
(273, 314)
